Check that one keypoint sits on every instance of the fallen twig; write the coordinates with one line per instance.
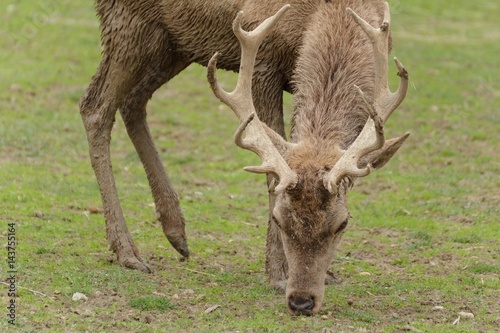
(250, 224)
(467, 305)
(198, 272)
(212, 309)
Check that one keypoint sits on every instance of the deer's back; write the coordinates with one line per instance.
(196, 29)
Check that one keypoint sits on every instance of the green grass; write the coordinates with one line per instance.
(424, 232)
(149, 303)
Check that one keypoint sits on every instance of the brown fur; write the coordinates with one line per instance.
(316, 52)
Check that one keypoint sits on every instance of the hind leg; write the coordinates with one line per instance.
(133, 50)
(133, 112)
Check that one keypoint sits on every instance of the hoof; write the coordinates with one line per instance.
(134, 263)
(179, 243)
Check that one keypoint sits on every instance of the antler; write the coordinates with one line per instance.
(385, 102)
(259, 138)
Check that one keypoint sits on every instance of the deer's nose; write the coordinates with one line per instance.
(301, 305)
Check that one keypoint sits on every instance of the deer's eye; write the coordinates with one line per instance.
(342, 226)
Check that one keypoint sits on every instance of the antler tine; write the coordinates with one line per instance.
(250, 42)
(240, 101)
(385, 102)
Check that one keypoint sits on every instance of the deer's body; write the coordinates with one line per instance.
(317, 52)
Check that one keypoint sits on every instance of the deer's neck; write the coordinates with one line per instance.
(335, 56)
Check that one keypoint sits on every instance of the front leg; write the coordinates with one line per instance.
(98, 107)
(276, 263)
(267, 96)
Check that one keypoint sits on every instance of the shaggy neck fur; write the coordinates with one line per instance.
(335, 56)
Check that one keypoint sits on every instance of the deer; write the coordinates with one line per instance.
(330, 55)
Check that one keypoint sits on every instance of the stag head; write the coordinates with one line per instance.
(311, 184)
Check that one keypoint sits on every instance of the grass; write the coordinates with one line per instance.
(148, 303)
(424, 232)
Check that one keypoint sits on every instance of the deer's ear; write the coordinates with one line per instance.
(380, 157)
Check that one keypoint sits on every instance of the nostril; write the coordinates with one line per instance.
(301, 304)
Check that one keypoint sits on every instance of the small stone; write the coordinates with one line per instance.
(466, 315)
(365, 273)
(15, 87)
(38, 214)
(406, 212)
(94, 209)
(79, 297)
(438, 308)
(350, 301)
